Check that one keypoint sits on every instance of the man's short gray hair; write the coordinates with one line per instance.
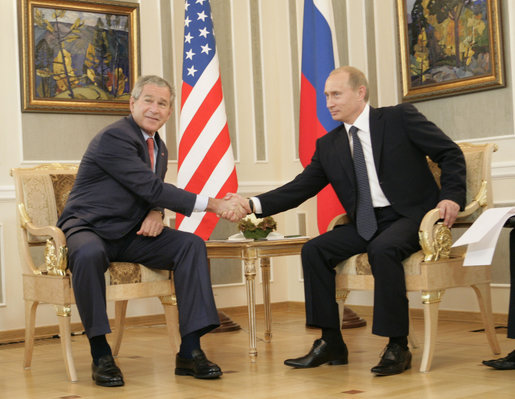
(151, 79)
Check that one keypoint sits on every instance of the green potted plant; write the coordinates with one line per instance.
(255, 228)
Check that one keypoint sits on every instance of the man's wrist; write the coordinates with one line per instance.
(251, 205)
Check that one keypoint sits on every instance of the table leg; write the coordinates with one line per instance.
(265, 275)
(250, 281)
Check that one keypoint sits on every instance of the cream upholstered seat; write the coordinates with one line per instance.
(436, 267)
(41, 193)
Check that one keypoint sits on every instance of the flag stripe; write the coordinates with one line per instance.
(198, 123)
(206, 162)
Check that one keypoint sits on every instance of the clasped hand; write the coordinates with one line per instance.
(232, 207)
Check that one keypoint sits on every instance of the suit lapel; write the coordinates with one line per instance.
(376, 135)
(342, 146)
(160, 161)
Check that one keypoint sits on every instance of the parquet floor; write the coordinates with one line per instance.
(148, 363)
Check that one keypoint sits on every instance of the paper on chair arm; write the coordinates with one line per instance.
(482, 236)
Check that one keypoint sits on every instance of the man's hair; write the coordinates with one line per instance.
(151, 79)
(356, 78)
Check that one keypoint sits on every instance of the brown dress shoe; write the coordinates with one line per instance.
(319, 354)
(395, 360)
(198, 367)
(504, 363)
(107, 373)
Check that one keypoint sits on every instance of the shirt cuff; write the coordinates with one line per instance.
(257, 205)
(200, 203)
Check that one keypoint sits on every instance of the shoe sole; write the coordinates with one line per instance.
(337, 362)
(208, 376)
(381, 374)
(108, 384)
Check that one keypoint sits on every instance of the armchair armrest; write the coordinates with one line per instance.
(56, 252)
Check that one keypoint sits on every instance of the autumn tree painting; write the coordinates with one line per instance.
(449, 40)
(81, 55)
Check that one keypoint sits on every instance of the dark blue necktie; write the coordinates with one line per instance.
(365, 216)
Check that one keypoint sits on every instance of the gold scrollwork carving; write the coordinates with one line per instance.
(55, 261)
(439, 247)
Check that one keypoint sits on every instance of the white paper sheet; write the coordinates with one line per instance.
(482, 236)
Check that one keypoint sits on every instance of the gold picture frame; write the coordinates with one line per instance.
(78, 56)
(429, 35)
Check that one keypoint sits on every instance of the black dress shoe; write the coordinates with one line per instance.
(395, 360)
(198, 367)
(319, 354)
(107, 373)
(504, 363)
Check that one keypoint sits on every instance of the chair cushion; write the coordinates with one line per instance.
(131, 273)
(358, 265)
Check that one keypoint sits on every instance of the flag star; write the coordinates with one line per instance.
(191, 71)
(187, 21)
(187, 38)
(203, 32)
(206, 49)
(186, 5)
(202, 15)
(201, 2)
(190, 54)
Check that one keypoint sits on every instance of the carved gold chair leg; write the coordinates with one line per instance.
(65, 333)
(120, 309)
(172, 320)
(431, 301)
(30, 326)
(485, 305)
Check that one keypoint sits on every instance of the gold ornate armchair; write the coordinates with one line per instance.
(437, 267)
(41, 193)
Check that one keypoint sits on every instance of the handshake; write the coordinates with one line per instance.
(232, 207)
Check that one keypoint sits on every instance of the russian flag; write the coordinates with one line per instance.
(318, 55)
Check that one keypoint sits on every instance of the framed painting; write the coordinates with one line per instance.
(449, 47)
(78, 56)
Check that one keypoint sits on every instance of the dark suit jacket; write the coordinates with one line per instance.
(115, 187)
(401, 138)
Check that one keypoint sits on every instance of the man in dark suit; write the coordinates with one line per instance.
(398, 189)
(508, 362)
(115, 213)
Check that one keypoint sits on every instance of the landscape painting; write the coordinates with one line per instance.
(79, 56)
(449, 47)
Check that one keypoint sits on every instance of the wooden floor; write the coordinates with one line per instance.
(148, 364)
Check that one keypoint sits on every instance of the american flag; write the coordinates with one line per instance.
(318, 55)
(206, 162)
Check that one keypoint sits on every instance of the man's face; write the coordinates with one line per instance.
(152, 108)
(344, 103)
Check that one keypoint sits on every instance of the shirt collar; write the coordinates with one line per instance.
(362, 122)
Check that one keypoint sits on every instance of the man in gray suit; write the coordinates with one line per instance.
(376, 163)
(115, 213)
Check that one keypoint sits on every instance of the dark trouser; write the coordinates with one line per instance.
(184, 253)
(396, 239)
(511, 313)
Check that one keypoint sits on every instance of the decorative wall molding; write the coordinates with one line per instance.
(7, 193)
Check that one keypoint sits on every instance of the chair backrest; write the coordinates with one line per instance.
(41, 193)
(478, 158)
